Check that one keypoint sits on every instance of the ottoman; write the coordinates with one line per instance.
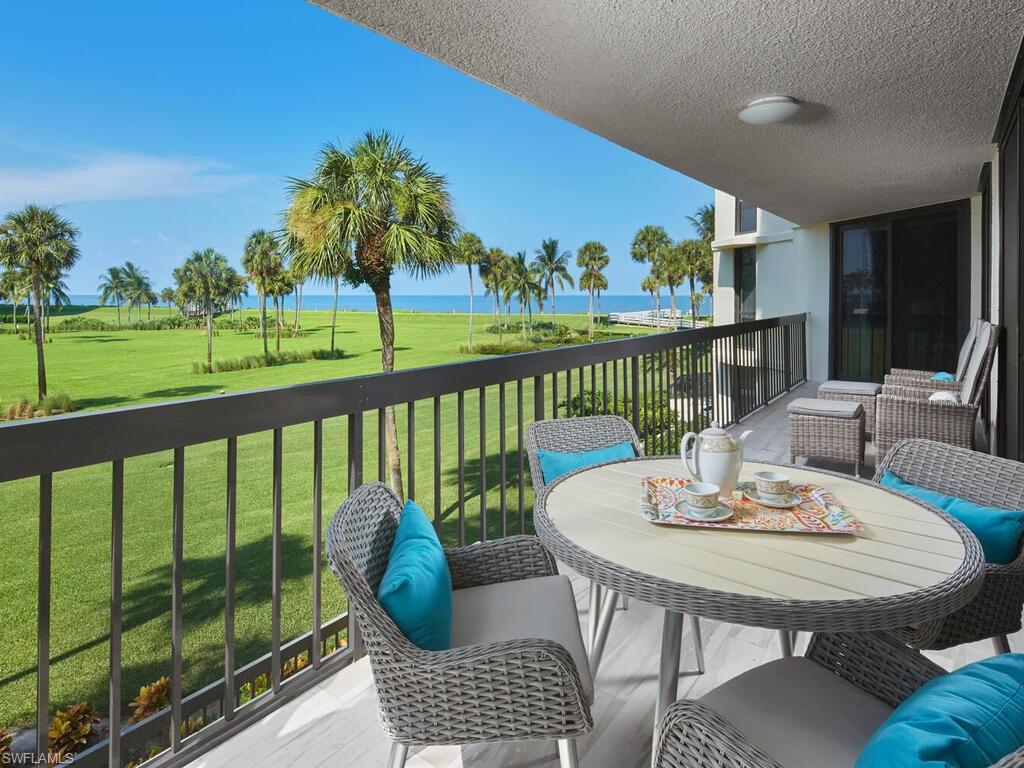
(827, 429)
(863, 392)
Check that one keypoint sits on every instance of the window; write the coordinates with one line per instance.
(746, 217)
(745, 271)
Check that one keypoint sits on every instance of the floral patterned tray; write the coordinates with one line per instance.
(818, 511)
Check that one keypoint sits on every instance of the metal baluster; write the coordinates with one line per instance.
(437, 464)
(177, 577)
(276, 563)
(318, 499)
(604, 388)
(116, 577)
(519, 450)
(229, 579)
(462, 468)
(43, 614)
(646, 406)
(381, 461)
(568, 397)
(635, 400)
(538, 398)
(583, 398)
(483, 463)
(554, 398)
(355, 451)
(410, 459)
(501, 467)
(615, 383)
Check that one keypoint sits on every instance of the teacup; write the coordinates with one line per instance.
(702, 498)
(772, 486)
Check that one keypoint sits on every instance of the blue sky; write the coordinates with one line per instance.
(165, 127)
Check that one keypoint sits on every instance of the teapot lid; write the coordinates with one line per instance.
(715, 430)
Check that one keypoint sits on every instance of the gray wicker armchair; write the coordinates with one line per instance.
(498, 688)
(770, 717)
(575, 435)
(904, 410)
(983, 479)
(912, 377)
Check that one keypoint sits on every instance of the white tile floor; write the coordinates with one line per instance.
(335, 724)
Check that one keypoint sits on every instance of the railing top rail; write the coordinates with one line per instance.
(41, 446)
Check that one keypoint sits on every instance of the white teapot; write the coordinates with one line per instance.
(717, 457)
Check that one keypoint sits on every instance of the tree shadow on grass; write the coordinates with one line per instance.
(98, 402)
(101, 338)
(185, 391)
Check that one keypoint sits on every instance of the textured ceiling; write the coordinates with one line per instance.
(901, 96)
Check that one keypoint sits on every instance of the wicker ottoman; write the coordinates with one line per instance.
(863, 392)
(826, 429)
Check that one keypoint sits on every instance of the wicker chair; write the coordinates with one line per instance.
(816, 710)
(912, 377)
(904, 411)
(575, 435)
(499, 689)
(983, 479)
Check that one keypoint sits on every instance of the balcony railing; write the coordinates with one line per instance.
(665, 384)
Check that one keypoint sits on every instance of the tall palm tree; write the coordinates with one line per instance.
(704, 222)
(39, 241)
(262, 261)
(311, 250)
(15, 285)
(167, 297)
(112, 288)
(205, 279)
(238, 288)
(552, 267)
(522, 282)
(469, 250)
(592, 257)
(649, 247)
(397, 214)
(651, 285)
(673, 270)
(492, 271)
(696, 265)
(136, 285)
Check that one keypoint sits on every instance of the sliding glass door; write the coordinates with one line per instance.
(862, 291)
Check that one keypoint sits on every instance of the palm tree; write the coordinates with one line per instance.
(111, 288)
(39, 241)
(673, 270)
(469, 250)
(704, 222)
(552, 267)
(205, 279)
(15, 285)
(522, 282)
(397, 213)
(492, 273)
(167, 297)
(592, 257)
(703, 261)
(262, 261)
(649, 247)
(55, 294)
(696, 264)
(651, 285)
(136, 285)
(312, 251)
(297, 276)
(238, 288)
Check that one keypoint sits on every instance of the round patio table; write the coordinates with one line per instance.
(911, 564)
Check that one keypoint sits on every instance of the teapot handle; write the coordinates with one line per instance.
(694, 465)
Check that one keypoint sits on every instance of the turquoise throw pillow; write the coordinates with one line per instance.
(554, 464)
(943, 376)
(970, 718)
(998, 530)
(416, 590)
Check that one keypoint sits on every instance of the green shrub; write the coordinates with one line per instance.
(151, 699)
(165, 323)
(71, 730)
(510, 347)
(250, 362)
(24, 408)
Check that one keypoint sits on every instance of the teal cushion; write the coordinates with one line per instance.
(943, 376)
(554, 464)
(998, 530)
(971, 718)
(416, 590)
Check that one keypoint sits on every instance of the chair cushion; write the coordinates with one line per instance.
(800, 713)
(944, 396)
(943, 376)
(967, 347)
(998, 530)
(836, 409)
(416, 589)
(975, 364)
(554, 464)
(860, 388)
(542, 607)
(970, 718)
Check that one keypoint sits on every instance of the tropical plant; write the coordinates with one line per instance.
(522, 282)
(397, 213)
(312, 251)
(70, 730)
(673, 268)
(13, 288)
(40, 242)
(694, 257)
(112, 288)
(167, 297)
(205, 279)
(552, 268)
(469, 250)
(297, 275)
(592, 257)
(649, 247)
(492, 274)
(704, 222)
(262, 261)
(652, 285)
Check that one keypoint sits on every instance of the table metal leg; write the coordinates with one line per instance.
(698, 642)
(668, 671)
(604, 625)
(595, 612)
(786, 641)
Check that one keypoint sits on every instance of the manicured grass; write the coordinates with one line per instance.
(120, 368)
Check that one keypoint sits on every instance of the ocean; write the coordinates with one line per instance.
(570, 303)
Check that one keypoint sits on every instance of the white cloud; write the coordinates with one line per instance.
(111, 176)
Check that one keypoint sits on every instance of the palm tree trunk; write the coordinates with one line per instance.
(553, 316)
(40, 362)
(522, 318)
(298, 306)
(277, 323)
(672, 301)
(334, 313)
(209, 334)
(693, 303)
(469, 267)
(263, 321)
(386, 321)
(657, 311)
(117, 303)
(590, 315)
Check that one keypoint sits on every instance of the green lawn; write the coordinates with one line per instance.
(118, 368)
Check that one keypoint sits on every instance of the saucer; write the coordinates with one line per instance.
(792, 499)
(721, 512)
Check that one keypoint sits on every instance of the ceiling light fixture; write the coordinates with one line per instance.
(769, 110)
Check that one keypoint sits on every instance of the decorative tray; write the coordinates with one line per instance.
(818, 511)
